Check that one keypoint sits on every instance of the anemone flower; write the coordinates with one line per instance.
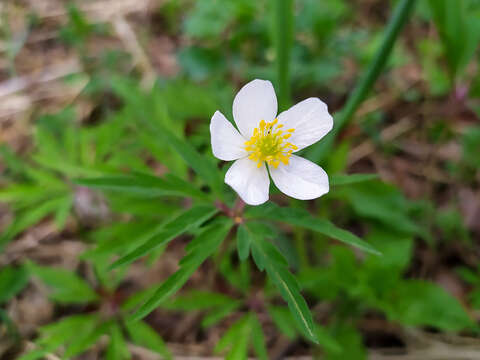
(264, 140)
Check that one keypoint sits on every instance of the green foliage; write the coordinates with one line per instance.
(438, 80)
(379, 283)
(78, 28)
(381, 202)
(65, 287)
(268, 258)
(187, 220)
(339, 180)
(471, 144)
(117, 347)
(457, 20)
(215, 306)
(452, 224)
(472, 278)
(304, 219)
(198, 300)
(243, 243)
(417, 302)
(143, 335)
(198, 250)
(114, 154)
(350, 341)
(245, 332)
(144, 185)
(210, 19)
(398, 20)
(76, 332)
(12, 281)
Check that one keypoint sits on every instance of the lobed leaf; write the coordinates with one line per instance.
(199, 249)
(186, 221)
(142, 334)
(303, 218)
(83, 341)
(277, 269)
(66, 287)
(144, 185)
(202, 165)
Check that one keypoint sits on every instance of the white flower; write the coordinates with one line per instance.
(265, 140)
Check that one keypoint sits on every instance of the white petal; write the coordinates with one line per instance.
(249, 181)
(254, 102)
(310, 119)
(227, 143)
(300, 179)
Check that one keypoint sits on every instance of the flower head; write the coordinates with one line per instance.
(266, 140)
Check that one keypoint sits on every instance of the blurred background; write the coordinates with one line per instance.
(74, 76)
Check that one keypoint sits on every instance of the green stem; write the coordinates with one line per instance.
(282, 37)
(395, 25)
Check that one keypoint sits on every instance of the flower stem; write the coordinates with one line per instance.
(282, 36)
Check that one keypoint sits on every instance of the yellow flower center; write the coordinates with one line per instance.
(269, 144)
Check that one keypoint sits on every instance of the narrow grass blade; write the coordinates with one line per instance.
(397, 21)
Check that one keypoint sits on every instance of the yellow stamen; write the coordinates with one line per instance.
(268, 144)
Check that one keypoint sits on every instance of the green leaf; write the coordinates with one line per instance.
(199, 249)
(220, 313)
(277, 270)
(186, 221)
(303, 218)
(144, 185)
(117, 347)
(198, 300)
(454, 21)
(284, 321)
(61, 215)
(12, 162)
(327, 341)
(209, 18)
(338, 180)
(84, 341)
(236, 339)
(243, 243)
(117, 237)
(12, 281)
(65, 330)
(350, 341)
(30, 217)
(382, 202)
(258, 338)
(34, 355)
(202, 165)
(143, 335)
(66, 287)
(420, 303)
